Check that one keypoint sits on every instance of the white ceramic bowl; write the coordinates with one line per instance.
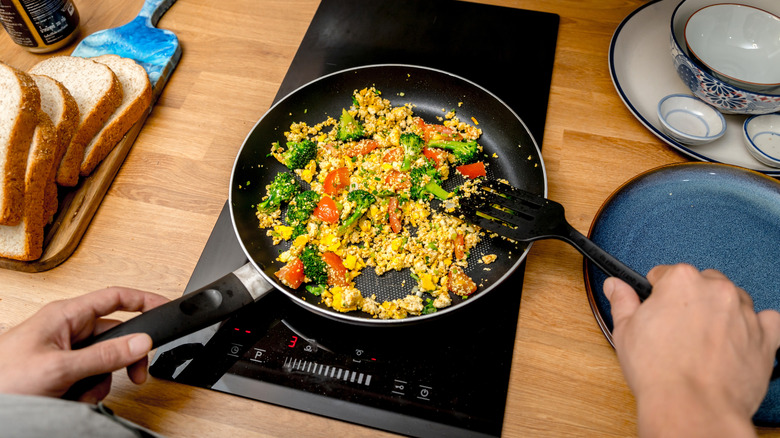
(689, 120)
(727, 98)
(762, 138)
(739, 44)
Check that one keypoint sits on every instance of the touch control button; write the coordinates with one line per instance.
(257, 355)
(234, 349)
(399, 387)
(424, 392)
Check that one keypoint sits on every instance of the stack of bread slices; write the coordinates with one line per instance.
(59, 120)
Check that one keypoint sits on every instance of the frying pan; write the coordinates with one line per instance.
(510, 153)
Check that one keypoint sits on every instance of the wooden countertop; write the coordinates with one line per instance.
(155, 219)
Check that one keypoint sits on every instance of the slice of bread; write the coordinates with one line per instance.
(24, 241)
(97, 92)
(136, 100)
(62, 109)
(19, 107)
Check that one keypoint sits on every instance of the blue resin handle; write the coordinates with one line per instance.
(153, 10)
(156, 50)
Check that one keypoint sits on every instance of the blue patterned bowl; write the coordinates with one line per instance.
(726, 98)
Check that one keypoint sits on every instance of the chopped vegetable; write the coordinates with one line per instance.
(362, 200)
(326, 210)
(336, 181)
(313, 266)
(282, 189)
(349, 128)
(298, 154)
(459, 283)
(472, 171)
(337, 273)
(291, 274)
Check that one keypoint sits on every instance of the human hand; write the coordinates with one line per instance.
(696, 355)
(36, 356)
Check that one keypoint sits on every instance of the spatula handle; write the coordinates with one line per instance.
(607, 263)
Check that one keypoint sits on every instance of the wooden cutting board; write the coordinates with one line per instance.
(78, 204)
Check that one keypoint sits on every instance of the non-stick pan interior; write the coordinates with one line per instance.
(510, 153)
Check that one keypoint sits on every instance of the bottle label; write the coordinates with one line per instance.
(33, 23)
(54, 19)
(15, 25)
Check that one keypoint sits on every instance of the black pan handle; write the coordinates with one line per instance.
(193, 311)
(182, 316)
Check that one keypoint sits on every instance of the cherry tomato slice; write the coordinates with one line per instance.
(393, 154)
(473, 170)
(337, 272)
(437, 132)
(363, 147)
(460, 247)
(394, 215)
(459, 283)
(438, 156)
(336, 181)
(326, 210)
(398, 180)
(291, 274)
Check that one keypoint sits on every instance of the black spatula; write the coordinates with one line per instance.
(526, 217)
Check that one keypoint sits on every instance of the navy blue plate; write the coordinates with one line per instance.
(710, 215)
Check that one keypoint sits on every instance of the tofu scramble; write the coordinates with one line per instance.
(371, 175)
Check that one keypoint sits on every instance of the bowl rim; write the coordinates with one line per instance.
(707, 107)
(683, 50)
(753, 147)
(708, 65)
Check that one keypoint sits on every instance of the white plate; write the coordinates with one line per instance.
(641, 67)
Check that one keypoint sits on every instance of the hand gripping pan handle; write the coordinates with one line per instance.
(193, 311)
(187, 314)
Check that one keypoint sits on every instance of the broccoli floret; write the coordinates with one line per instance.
(314, 267)
(298, 154)
(464, 151)
(299, 211)
(426, 179)
(282, 189)
(362, 200)
(349, 129)
(413, 145)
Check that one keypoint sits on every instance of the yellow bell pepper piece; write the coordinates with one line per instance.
(284, 231)
(428, 282)
(301, 240)
(350, 262)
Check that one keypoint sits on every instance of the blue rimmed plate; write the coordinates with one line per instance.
(706, 214)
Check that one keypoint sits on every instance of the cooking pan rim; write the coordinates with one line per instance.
(346, 317)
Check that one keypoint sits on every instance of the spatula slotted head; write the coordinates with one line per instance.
(511, 212)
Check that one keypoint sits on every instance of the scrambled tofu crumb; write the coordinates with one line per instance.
(489, 258)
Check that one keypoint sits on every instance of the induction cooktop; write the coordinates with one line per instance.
(446, 377)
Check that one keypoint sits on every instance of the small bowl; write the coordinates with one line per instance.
(739, 44)
(762, 138)
(725, 97)
(689, 120)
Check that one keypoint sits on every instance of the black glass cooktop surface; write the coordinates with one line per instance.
(446, 377)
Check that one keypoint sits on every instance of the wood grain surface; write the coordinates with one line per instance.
(155, 218)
